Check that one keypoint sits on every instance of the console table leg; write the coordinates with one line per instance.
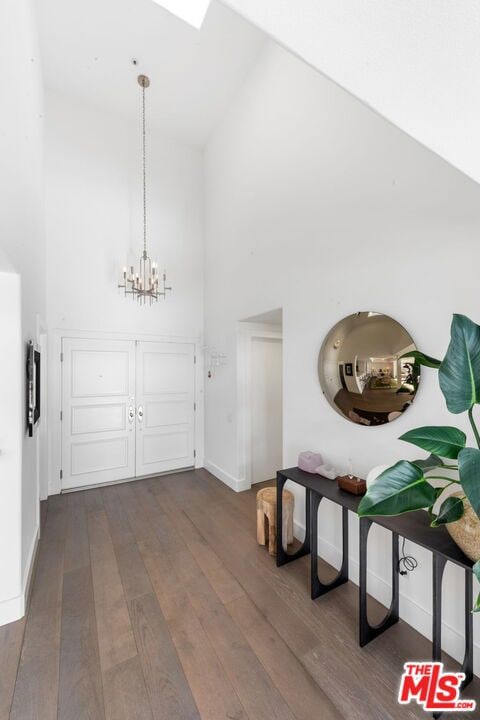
(467, 666)
(308, 518)
(282, 556)
(368, 632)
(344, 568)
(439, 563)
(395, 608)
(317, 587)
(365, 524)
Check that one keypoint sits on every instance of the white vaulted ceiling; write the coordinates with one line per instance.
(87, 48)
(415, 62)
(192, 11)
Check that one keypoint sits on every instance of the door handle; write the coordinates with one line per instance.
(140, 413)
(131, 414)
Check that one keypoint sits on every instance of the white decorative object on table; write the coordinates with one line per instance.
(309, 461)
(327, 471)
(312, 462)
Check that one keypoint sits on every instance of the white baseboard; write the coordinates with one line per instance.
(30, 566)
(233, 483)
(12, 609)
(416, 615)
(15, 608)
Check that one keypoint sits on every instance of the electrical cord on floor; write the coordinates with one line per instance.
(407, 563)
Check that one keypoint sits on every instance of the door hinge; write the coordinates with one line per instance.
(61, 357)
(194, 453)
(61, 414)
(194, 407)
(61, 474)
(194, 359)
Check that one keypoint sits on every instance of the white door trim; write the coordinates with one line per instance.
(246, 333)
(54, 383)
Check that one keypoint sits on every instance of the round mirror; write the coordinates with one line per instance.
(365, 371)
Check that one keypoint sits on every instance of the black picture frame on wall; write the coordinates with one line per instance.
(349, 369)
(33, 387)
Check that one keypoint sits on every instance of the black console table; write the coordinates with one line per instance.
(412, 526)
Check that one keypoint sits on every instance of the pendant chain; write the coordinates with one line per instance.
(144, 174)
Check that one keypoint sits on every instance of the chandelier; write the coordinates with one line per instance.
(144, 284)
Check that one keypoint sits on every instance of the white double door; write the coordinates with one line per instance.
(128, 409)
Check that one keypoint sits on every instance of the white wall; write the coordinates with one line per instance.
(11, 431)
(413, 61)
(94, 225)
(309, 196)
(23, 292)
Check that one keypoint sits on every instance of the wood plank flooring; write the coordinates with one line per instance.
(153, 601)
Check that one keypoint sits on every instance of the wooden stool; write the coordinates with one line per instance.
(267, 510)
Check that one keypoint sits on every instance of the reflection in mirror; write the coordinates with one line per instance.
(365, 371)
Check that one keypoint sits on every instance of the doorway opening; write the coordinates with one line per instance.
(261, 396)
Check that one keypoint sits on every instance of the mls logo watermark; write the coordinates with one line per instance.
(435, 690)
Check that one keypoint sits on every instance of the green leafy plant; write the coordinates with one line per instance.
(406, 485)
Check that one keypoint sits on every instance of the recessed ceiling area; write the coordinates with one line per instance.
(192, 11)
(88, 47)
(271, 317)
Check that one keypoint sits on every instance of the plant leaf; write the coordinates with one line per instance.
(459, 373)
(431, 514)
(450, 511)
(430, 463)
(444, 441)
(476, 572)
(397, 490)
(469, 469)
(423, 359)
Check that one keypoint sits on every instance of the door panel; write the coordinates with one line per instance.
(98, 418)
(98, 455)
(98, 431)
(165, 369)
(164, 445)
(169, 412)
(100, 372)
(165, 407)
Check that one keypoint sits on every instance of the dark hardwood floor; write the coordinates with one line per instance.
(152, 600)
